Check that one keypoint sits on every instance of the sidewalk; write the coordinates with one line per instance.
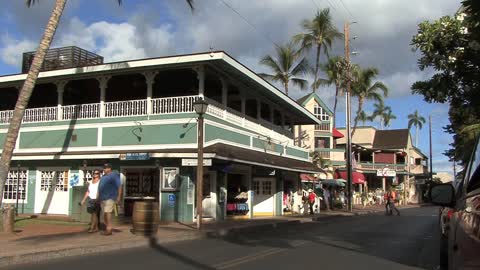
(39, 242)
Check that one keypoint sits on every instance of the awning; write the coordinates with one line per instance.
(307, 177)
(334, 182)
(357, 178)
(337, 134)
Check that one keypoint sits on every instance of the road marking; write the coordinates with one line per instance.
(257, 256)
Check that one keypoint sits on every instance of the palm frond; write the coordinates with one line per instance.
(302, 67)
(271, 63)
(303, 84)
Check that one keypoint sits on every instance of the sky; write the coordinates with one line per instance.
(247, 30)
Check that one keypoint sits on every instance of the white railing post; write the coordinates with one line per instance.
(149, 79)
(60, 90)
(103, 83)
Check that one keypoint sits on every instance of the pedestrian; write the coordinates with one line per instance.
(110, 193)
(326, 196)
(388, 211)
(311, 200)
(391, 202)
(93, 203)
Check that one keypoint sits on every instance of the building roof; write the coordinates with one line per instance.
(391, 139)
(304, 100)
(218, 60)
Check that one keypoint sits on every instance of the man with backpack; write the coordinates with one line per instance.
(391, 197)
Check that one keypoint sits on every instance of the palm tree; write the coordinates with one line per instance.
(29, 84)
(334, 76)
(380, 111)
(388, 117)
(320, 32)
(415, 119)
(287, 66)
(364, 89)
(363, 117)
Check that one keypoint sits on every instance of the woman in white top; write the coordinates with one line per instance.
(93, 205)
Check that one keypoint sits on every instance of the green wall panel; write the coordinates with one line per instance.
(59, 138)
(297, 153)
(180, 211)
(156, 134)
(212, 133)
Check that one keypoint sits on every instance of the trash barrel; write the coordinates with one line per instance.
(145, 218)
(8, 218)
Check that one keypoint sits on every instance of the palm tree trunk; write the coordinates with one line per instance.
(286, 88)
(317, 65)
(360, 105)
(26, 92)
(335, 106)
(416, 136)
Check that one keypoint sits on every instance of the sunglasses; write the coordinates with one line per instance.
(96, 173)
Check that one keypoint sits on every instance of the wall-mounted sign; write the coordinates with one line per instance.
(386, 172)
(194, 162)
(171, 200)
(135, 156)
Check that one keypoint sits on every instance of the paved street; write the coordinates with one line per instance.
(409, 241)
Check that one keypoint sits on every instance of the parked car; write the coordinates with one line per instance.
(463, 243)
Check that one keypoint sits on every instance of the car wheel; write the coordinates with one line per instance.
(443, 252)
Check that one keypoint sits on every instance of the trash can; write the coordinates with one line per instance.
(8, 212)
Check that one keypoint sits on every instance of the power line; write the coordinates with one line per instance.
(348, 11)
(251, 25)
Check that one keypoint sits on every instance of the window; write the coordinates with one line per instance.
(256, 187)
(10, 191)
(54, 181)
(266, 188)
(412, 161)
(322, 142)
(320, 113)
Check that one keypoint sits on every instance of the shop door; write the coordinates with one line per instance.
(52, 192)
(263, 198)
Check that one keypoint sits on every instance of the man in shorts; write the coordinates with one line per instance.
(110, 194)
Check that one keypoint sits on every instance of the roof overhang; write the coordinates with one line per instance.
(220, 59)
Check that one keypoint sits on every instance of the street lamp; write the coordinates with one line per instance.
(200, 107)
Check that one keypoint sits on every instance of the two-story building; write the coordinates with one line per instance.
(321, 138)
(387, 158)
(138, 115)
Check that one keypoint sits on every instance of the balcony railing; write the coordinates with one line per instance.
(331, 153)
(380, 166)
(157, 106)
(325, 127)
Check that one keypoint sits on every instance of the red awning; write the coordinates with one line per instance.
(337, 134)
(307, 177)
(357, 178)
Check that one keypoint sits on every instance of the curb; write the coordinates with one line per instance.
(247, 229)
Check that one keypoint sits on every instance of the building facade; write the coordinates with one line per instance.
(138, 116)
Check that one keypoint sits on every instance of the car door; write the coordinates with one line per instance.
(465, 243)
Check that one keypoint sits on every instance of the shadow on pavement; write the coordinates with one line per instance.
(394, 238)
(182, 258)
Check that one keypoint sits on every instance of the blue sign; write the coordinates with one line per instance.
(135, 156)
(171, 199)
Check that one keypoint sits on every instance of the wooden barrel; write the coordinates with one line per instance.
(146, 217)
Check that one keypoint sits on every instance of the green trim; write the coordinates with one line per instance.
(338, 162)
(213, 133)
(297, 153)
(329, 150)
(59, 138)
(319, 101)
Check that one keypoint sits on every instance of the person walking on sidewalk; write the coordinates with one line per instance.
(93, 204)
(326, 197)
(388, 211)
(311, 200)
(391, 202)
(110, 193)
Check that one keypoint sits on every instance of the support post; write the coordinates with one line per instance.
(200, 173)
(201, 81)
(60, 90)
(103, 84)
(149, 79)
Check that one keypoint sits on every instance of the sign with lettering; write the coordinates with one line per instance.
(386, 172)
(135, 156)
(171, 199)
(194, 162)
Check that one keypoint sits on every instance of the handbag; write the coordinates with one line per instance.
(92, 206)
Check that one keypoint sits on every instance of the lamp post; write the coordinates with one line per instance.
(200, 107)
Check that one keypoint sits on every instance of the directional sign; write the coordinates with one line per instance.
(135, 156)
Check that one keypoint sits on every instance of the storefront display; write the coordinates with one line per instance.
(237, 196)
(140, 185)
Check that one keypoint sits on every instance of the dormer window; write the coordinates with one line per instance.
(320, 113)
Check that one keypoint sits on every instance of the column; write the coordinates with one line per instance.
(224, 92)
(103, 83)
(201, 80)
(384, 184)
(149, 79)
(60, 90)
(243, 101)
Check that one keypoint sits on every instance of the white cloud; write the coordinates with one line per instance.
(12, 49)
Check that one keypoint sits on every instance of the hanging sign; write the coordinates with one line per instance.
(386, 173)
(194, 162)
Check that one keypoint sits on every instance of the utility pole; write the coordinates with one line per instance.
(430, 134)
(348, 120)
